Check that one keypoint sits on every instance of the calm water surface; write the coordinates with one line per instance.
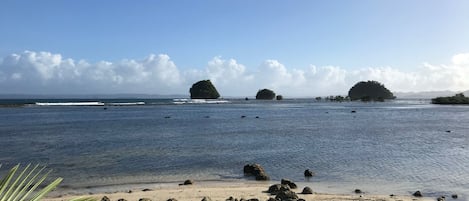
(393, 147)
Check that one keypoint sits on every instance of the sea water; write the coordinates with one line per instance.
(391, 147)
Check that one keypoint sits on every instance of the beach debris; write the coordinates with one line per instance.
(277, 188)
(358, 191)
(441, 198)
(146, 189)
(308, 173)
(417, 194)
(307, 190)
(144, 199)
(172, 199)
(257, 171)
(105, 198)
(206, 199)
(286, 195)
(454, 196)
(289, 183)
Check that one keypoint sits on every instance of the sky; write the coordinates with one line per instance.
(297, 48)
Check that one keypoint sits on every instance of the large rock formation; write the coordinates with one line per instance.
(369, 91)
(204, 89)
(265, 94)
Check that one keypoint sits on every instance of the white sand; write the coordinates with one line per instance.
(220, 191)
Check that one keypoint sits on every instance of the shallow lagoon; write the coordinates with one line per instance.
(393, 147)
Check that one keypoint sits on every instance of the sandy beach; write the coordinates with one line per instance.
(221, 191)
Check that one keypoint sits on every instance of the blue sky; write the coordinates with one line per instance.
(352, 35)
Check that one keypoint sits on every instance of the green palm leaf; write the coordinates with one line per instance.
(26, 185)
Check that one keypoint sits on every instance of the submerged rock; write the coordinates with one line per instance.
(308, 173)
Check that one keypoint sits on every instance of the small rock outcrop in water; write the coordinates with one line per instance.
(454, 196)
(308, 173)
(277, 188)
(257, 171)
(369, 91)
(105, 198)
(265, 94)
(417, 194)
(289, 183)
(286, 195)
(307, 190)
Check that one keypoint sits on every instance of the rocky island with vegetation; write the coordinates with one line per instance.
(204, 89)
(265, 94)
(370, 91)
(457, 99)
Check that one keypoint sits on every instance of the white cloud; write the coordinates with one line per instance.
(46, 73)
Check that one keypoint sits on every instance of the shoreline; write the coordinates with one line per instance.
(218, 190)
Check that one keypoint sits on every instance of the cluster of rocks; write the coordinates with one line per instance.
(283, 191)
(257, 171)
(441, 198)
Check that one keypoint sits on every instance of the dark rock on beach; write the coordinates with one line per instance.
(122, 199)
(307, 190)
(188, 182)
(105, 198)
(272, 199)
(417, 194)
(172, 199)
(206, 199)
(286, 196)
(358, 191)
(277, 188)
(308, 173)
(257, 171)
(289, 183)
(144, 199)
(146, 189)
(442, 198)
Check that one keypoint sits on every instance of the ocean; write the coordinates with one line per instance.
(394, 147)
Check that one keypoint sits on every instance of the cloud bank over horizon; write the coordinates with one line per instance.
(32, 72)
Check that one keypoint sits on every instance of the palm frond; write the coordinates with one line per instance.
(22, 187)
